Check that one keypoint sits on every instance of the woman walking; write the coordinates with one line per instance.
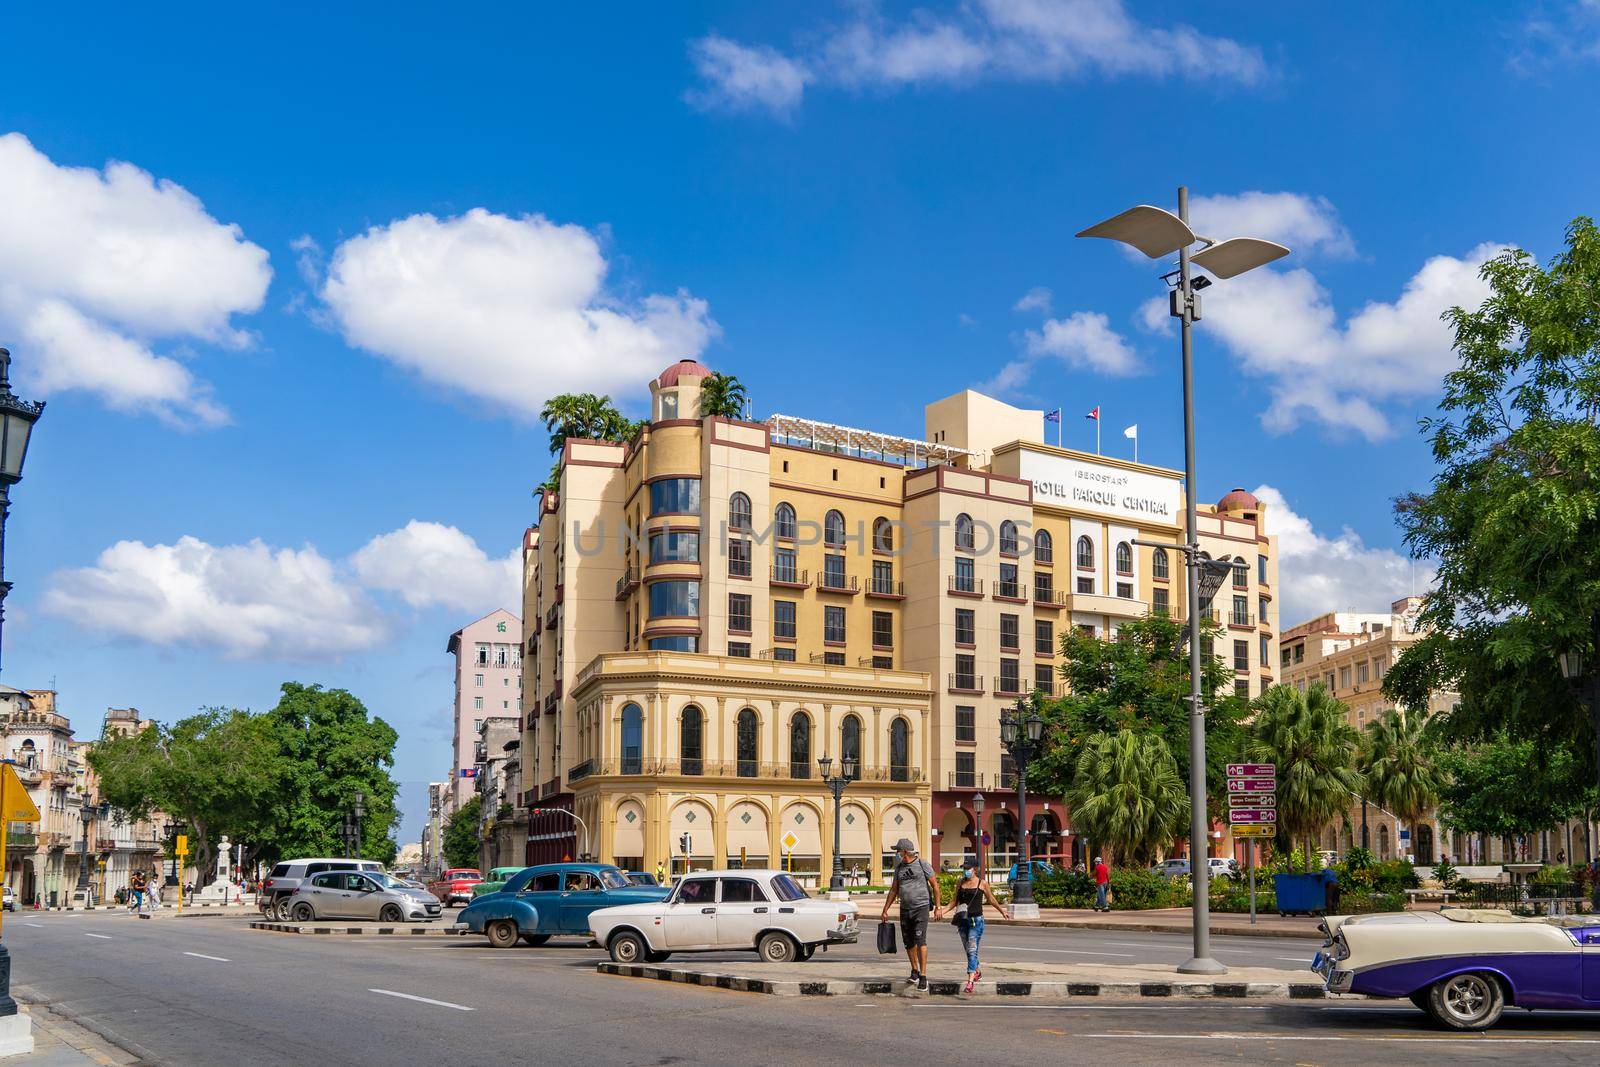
(968, 909)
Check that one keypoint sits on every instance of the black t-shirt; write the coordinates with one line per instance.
(970, 901)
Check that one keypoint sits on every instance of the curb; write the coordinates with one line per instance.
(357, 931)
(1156, 928)
(34, 999)
(944, 988)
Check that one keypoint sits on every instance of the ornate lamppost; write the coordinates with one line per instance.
(977, 833)
(836, 785)
(1020, 731)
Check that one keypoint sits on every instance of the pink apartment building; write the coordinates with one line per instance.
(488, 685)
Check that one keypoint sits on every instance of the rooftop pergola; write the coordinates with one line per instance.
(866, 444)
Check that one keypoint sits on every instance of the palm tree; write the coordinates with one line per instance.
(1399, 769)
(584, 415)
(1315, 750)
(724, 395)
(1126, 794)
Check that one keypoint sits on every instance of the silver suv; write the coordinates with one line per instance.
(285, 878)
(361, 895)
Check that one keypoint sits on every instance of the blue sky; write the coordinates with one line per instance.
(293, 285)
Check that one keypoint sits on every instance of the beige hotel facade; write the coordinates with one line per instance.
(711, 607)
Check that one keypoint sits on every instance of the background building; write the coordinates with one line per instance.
(488, 681)
(502, 826)
(714, 605)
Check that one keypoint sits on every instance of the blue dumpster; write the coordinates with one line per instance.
(1306, 894)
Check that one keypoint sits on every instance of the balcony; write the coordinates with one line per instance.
(1240, 621)
(627, 583)
(631, 767)
(1053, 599)
(789, 578)
(962, 586)
(1009, 591)
(1119, 607)
(581, 771)
(838, 583)
(964, 779)
(1007, 687)
(22, 839)
(551, 616)
(886, 589)
(966, 683)
(552, 704)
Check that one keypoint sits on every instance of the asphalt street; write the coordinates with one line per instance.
(208, 991)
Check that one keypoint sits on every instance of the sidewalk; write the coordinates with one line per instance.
(999, 979)
(60, 1042)
(1171, 921)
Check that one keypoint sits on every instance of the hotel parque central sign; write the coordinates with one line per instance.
(1101, 488)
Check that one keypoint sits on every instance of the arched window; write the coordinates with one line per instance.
(833, 530)
(800, 745)
(882, 535)
(632, 740)
(1044, 550)
(1158, 564)
(749, 741)
(899, 751)
(1124, 558)
(1008, 538)
(1085, 552)
(783, 524)
(1241, 573)
(738, 512)
(850, 742)
(964, 533)
(691, 744)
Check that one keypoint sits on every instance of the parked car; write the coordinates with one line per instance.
(641, 878)
(496, 880)
(455, 885)
(1221, 867)
(1036, 868)
(1464, 966)
(711, 911)
(556, 898)
(10, 899)
(361, 895)
(279, 885)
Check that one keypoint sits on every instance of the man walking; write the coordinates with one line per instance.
(136, 886)
(1102, 883)
(916, 886)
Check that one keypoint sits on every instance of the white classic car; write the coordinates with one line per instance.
(1463, 966)
(711, 911)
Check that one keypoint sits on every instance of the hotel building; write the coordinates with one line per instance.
(488, 683)
(716, 604)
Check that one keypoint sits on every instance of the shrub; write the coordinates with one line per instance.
(1551, 874)
(1446, 874)
(1362, 903)
(1064, 889)
(1359, 858)
(1235, 898)
(1392, 876)
(1134, 889)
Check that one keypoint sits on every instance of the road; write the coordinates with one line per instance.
(206, 991)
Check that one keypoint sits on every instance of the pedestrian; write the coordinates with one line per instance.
(916, 886)
(968, 908)
(152, 882)
(1102, 885)
(136, 886)
(661, 873)
(1561, 856)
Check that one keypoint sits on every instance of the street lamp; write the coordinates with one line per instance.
(86, 813)
(17, 417)
(1575, 669)
(977, 835)
(1158, 233)
(1020, 731)
(836, 785)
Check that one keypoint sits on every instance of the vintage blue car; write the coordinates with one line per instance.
(554, 899)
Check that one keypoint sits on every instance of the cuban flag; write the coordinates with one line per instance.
(1053, 416)
(469, 772)
(1095, 414)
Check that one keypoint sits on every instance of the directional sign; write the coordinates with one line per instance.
(1252, 785)
(789, 841)
(19, 807)
(1253, 815)
(1252, 800)
(1255, 830)
(182, 847)
(1252, 770)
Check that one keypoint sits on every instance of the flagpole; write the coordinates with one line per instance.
(1097, 437)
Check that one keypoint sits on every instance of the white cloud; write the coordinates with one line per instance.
(1084, 340)
(1318, 574)
(247, 601)
(1557, 33)
(1282, 326)
(1305, 224)
(428, 564)
(97, 266)
(743, 78)
(1036, 299)
(1020, 40)
(509, 310)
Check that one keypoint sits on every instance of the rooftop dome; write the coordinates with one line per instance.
(1238, 500)
(684, 368)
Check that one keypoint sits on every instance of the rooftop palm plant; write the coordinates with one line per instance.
(723, 395)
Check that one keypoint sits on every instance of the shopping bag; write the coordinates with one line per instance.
(886, 936)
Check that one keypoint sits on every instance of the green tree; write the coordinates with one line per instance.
(1126, 795)
(461, 835)
(582, 416)
(216, 773)
(1306, 735)
(1506, 785)
(1398, 766)
(724, 395)
(1513, 515)
(330, 749)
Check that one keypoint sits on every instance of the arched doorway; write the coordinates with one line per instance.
(1383, 842)
(1002, 848)
(1044, 837)
(855, 842)
(694, 818)
(955, 835)
(898, 821)
(748, 840)
(627, 842)
(1423, 844)
(805, 824)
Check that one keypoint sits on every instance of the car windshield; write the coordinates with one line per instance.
(389, 881)
(787, 888)
(472, 877)
(613, 879)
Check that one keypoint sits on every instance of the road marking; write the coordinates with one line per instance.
(1293, 959)
(36, 926)
(422, 1000)
(203, 956)
(1257, 1036)
(1072, 951)
(103, 937)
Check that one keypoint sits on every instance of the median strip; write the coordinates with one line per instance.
(357, 931)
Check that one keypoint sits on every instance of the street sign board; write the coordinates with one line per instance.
(1252, 770)
(182, 847)
(19, 806)
(1255, 830)
(1252, 800)
(1252, 785)
(789, 841)
(1253, 815)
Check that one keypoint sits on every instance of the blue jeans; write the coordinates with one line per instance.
(1100, 900)
(971, 931)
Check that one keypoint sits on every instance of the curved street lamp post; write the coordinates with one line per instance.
(836, 785)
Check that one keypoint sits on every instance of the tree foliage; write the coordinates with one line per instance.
(1506, 785)
(1398, 765)
(460, 845)
(1126, 794)
(1307, 736)
(582, 416)
(1513, 515)
(724, 395)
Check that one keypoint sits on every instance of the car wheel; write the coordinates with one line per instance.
(283, 910)
(535, 939)
(304, 912)
(502, 933)
(628, 947)
(391, 914)
(776, 948)
(1471, 1001)
(657, 957)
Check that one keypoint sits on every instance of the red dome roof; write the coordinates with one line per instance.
(684, 368)
(1238, 500)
